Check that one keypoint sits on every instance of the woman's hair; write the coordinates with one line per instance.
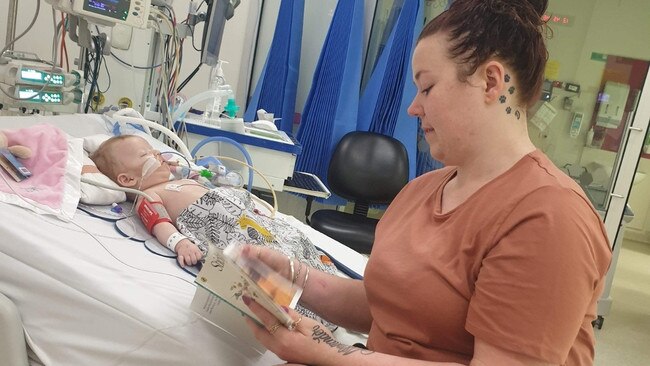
(104, 157)
(509, 30)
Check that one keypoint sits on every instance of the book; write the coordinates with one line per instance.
(13, 167)
(226, 276)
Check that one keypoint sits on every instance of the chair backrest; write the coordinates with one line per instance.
(368, 168)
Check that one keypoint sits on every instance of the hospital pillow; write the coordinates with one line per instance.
(92, 194)
(55, 165)
(129, 129)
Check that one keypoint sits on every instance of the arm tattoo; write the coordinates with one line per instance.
(320, 335)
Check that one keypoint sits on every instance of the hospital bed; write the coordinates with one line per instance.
(88, 296)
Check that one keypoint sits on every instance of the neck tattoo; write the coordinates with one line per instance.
(503, 99)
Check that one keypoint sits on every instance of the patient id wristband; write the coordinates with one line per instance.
(173, 240)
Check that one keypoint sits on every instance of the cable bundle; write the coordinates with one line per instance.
(170, 67)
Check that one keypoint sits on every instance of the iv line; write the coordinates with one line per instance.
(117, 188)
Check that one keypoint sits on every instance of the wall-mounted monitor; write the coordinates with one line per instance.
(134, 13)
(219, 11)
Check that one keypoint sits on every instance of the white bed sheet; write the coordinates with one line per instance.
(108, 301)
(114, 303)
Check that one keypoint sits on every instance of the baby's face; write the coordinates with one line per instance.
(133, 157)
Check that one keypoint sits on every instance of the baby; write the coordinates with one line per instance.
(187, 216)
(123, 159)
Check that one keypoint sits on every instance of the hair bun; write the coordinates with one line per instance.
(540, 6)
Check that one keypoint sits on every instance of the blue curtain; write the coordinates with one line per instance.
(390, 90)
(278, 84)
(332, 106)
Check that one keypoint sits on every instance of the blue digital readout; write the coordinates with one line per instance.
(117, 9)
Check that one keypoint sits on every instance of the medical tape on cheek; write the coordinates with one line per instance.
(152, 214)
(150, 166)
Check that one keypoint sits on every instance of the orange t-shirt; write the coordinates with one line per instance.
(520, 264)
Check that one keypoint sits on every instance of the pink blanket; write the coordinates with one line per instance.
(48, 164)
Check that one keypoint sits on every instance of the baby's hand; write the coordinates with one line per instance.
(188, 253)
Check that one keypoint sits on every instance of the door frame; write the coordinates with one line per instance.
(627, 162)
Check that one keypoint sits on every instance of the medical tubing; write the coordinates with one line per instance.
(156, 126)
(189, 166)
(248, 164)
(185, 107)
(98, 62)
(275, 198)
(52, 70)
(133, 66)
(249, 160)
(116, 188)
(187, 79)
(31, 24)
(130, 112)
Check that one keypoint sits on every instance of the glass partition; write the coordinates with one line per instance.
(598, 61)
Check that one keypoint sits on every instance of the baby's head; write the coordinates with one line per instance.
(131, 162)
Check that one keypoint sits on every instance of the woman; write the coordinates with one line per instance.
(497, 259)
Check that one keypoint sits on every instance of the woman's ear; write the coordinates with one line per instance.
(494, 77)
(125, 180)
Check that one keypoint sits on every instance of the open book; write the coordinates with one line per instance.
(227, 275)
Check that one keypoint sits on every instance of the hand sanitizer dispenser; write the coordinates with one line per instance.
(576, 125)
(213, 109)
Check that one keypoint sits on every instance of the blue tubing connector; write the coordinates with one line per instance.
(249, 161)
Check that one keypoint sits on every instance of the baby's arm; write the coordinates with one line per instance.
(166, 233)
(188, 252)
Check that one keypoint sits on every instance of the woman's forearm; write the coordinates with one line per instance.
(341, 301)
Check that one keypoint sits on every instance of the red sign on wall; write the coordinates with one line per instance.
(558, 19)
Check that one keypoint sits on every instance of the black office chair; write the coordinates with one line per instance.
(366, 168)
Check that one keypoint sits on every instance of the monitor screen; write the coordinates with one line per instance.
(213, 31)
(117, 9)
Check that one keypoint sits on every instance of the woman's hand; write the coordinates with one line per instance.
(308, 343)
(272, 258)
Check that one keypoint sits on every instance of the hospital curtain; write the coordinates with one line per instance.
(390, 89)
(331, 108)
(278, 83)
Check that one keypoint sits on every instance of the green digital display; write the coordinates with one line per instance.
(43, 97)
(34, 76)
